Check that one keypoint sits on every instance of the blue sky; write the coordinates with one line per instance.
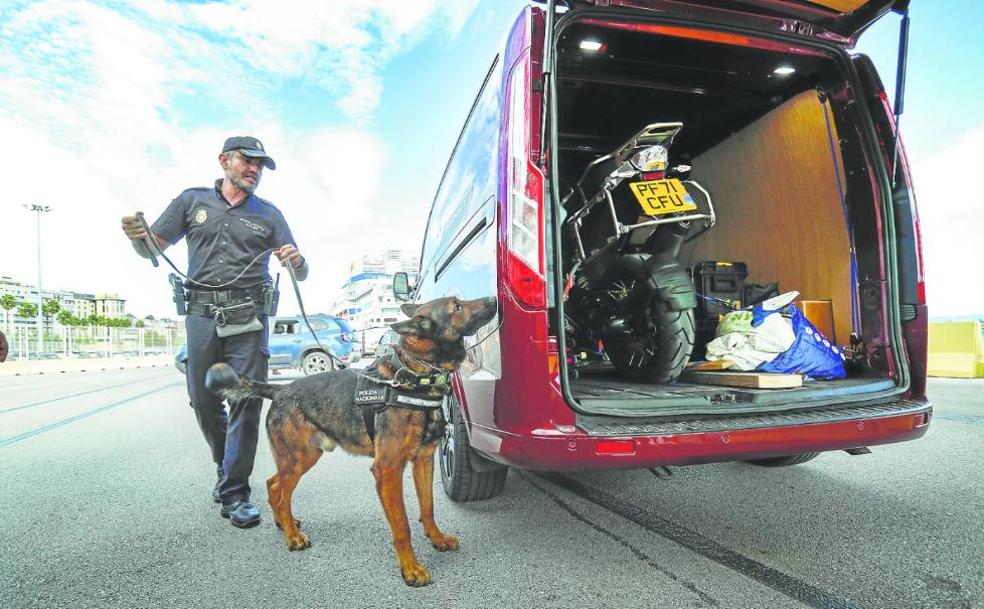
(110, 107)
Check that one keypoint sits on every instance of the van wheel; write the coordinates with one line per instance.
(784, 461)
(462, 482)
(315, 362)
(653, 345)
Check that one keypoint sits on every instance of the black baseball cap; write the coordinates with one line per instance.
(249, 146)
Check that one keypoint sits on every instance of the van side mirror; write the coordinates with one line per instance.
(401, 286)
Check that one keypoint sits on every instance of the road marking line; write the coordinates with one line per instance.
(707, 599)
(705, 546)
(958, 418)
(84, 415)
(75, 395)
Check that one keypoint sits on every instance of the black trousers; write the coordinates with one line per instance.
(231, 437)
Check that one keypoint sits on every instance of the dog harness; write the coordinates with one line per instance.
(374, 395)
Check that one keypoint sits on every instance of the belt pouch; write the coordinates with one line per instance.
(236, 319)
(271, 298)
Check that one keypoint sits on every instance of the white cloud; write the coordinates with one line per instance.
(89, 125)
(951, 210)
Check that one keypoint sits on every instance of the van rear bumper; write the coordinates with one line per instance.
(632, 444)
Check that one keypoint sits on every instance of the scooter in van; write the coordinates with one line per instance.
(626, 287)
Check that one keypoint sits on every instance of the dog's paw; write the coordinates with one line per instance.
(415, 575)
(300, 541)
(444, 543)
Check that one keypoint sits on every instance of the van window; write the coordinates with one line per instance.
(470, 175)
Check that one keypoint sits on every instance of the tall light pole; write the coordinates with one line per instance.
(38, 209)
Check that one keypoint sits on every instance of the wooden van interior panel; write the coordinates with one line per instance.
(778, 206)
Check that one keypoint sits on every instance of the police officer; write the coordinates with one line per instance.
(227, 227)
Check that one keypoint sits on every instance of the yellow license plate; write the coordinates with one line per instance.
(658, 197)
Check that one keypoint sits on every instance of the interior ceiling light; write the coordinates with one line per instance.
(592, 46)
(784, 70)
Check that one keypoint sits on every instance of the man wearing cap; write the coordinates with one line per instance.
(230, 234)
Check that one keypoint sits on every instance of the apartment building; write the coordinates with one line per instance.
(367, 301)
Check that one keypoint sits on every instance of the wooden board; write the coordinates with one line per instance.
(754, 380)
(721, 364)
(778, 206)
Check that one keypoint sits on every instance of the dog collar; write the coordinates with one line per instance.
(405, 377)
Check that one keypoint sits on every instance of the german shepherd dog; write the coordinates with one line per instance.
(317, 413)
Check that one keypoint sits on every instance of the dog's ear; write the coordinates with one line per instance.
(409, 308)
(415, 326)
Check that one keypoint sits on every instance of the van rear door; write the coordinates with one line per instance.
(842, 20)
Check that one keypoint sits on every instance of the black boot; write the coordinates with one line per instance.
(242, 514)
(215, 490)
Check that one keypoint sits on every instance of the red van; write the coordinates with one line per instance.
(782, 144)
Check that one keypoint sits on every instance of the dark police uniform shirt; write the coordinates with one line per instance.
(223, 239)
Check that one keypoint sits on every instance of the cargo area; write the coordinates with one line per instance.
(770, 131)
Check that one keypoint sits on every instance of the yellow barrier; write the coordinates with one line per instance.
(956, 349)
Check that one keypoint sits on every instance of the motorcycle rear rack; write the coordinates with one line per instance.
(624, 229)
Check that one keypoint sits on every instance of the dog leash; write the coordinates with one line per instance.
(151, 244)
(300, 303)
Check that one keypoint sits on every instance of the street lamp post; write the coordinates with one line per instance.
(38, 209)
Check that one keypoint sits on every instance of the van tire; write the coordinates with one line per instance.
(460, 480)
(672, 344)
(784, 461)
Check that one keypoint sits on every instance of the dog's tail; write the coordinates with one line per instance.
(222, 380)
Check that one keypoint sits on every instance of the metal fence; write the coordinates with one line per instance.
(92, 341)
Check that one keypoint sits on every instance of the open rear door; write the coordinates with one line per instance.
(829, 19)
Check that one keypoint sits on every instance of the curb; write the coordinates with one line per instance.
(94, 367)
(88, 370)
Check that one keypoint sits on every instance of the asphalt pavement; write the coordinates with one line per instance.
(106, 492)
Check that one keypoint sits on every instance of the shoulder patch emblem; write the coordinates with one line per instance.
(201, 215)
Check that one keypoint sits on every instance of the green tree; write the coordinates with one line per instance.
(8, 302)
(66, 318)
(27, 310)
(50, 307)
(140, 323)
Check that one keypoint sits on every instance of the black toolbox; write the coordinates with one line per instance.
(720, 289)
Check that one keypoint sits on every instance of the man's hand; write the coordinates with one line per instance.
(138, 236)
(289, 253)
(4, 348)
(131, 226)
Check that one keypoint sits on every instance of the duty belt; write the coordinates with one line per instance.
(220, 297)
(205, 309)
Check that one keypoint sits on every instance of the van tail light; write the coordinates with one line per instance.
(524, 213)
(921, 284)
